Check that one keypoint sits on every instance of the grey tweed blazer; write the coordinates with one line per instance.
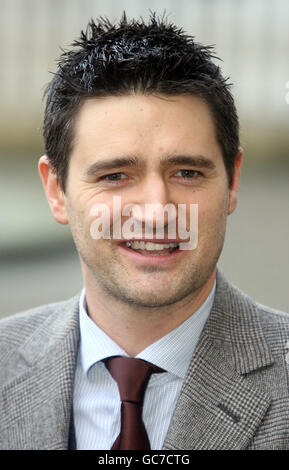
(235, 394)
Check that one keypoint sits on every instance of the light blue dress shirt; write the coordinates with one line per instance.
(96, 400)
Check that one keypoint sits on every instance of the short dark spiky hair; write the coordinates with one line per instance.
(135, 57)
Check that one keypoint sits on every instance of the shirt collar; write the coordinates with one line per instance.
(172, 352)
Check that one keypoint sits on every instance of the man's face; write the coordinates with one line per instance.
(133, 147)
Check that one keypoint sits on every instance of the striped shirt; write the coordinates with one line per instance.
(96, 401)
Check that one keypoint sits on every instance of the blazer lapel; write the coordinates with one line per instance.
(37, 413)
(219, 407)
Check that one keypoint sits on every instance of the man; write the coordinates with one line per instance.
(139, 114)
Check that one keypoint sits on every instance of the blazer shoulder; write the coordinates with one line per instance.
(248, 322)
(238, 300)
(273, 316)
(275, 325)
(16, 329)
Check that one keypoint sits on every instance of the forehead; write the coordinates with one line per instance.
(144, 124)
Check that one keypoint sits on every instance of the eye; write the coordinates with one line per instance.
(188, 174)
(114, 177)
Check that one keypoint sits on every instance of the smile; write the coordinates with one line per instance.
(152, 248)
(151, 252)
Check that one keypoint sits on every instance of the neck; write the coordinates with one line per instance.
(134, 328)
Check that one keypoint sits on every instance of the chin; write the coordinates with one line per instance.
(153, 299)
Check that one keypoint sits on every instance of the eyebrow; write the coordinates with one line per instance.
(198, 161)
(191, 160)
(107, 165)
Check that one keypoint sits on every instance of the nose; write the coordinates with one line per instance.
(153, 197)
(154, 190)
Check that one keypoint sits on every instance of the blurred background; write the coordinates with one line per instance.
(39, 263)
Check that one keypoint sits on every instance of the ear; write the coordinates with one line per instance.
(53, 191)
(233, 192)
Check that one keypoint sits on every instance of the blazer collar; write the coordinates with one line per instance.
(61, 327)
(235, 320)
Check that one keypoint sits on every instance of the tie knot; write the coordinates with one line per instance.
(132, 376)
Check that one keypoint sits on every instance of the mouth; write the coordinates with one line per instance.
(151, 251)
(152, 248)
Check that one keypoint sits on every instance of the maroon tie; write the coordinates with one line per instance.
(132, 376)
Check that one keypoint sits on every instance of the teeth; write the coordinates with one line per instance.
(149, 246)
